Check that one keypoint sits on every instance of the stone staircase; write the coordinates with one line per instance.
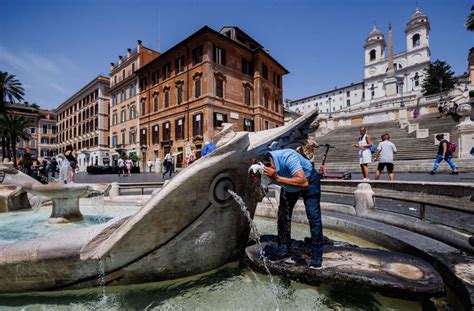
(343, 138)
(435, 124)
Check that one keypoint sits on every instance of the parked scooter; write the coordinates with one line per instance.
(322, 169)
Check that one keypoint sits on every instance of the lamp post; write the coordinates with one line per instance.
(402, 82)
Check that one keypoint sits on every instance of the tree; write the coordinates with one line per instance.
(438, 78)
(470, 20)
(16, 128)
(10, 89)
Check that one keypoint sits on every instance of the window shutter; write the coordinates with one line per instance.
(223, 57)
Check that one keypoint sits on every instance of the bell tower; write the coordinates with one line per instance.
(417, 31)
(374, 46)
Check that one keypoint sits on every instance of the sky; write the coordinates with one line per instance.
(55, 47)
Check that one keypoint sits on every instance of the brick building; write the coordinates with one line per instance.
(42, 143)
(205, 80)
(83, 123)
(124, 98)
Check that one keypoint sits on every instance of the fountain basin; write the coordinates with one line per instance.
(65, 200)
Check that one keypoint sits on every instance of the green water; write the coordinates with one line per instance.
(227, 288)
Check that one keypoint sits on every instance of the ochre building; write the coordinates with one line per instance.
(124, 99)
(208, 79)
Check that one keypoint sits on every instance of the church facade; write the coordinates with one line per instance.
(385, 74)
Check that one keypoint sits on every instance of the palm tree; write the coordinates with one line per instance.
(470, 20)
(10, 90)
(3, 134)
(16, 129)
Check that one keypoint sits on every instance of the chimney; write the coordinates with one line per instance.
(129, 52)
(139, 45)
(120, 59)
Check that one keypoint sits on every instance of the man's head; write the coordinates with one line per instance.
(440, 137)
(385, 136)
(362, 131)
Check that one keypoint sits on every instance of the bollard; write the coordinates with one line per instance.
(363, 199)
(114, 190)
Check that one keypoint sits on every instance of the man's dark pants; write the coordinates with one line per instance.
(311, 198)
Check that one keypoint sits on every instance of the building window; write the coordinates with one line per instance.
(155, 76)
(133, 112)
(166, 131)
(179, 128)
(219, 118)
(132, 89)
(123, 96)
(45, 129)
(197, 124)
(415, 40)
(33, 143)
(197, 88)
(123, 74)
(197, 55)
(143, 83)
(167, 98)
(249, 125)
(247, 96)
(276, 80)
(115, 79)
(155, 103)
(348, 102)
(54, 130)
(247, 67)
(143, 107)
(264, 71)
(44, 140)
(133, 67)
(348, 94)
(267, 125)
(277, 106)
(114, 119)
(114, 140)
(372, 55)
(166, 71)
(123, 136)
(33, 129)
(132, 136)
(122, 115)
(265, 99)
(155, 135)
(179, 64)
(220, 88)
(179, 93)
(219, 55)
(143, 137)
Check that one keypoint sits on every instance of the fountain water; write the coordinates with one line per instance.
(254, 228)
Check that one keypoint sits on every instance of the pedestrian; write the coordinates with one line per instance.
(298, 178)
(149, 164)
(444, 153)
(168, 164)
(121, 166)
(26, 163)
(365, 154)
(54, 167)
(128, 167)
(384, 154)
(71, 157)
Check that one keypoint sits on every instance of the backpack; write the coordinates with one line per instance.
(451, 147)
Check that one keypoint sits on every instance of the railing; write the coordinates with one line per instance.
(451, 196)
(141, 186)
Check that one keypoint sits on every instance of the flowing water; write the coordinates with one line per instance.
(254, 229)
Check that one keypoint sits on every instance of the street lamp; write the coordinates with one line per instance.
(402, 82)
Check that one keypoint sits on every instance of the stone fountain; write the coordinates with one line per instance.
(65, 200)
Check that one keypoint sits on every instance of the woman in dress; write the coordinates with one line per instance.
(365, 155)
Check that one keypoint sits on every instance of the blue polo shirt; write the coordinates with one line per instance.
(288, 162)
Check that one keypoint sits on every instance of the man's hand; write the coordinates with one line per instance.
(270, 172)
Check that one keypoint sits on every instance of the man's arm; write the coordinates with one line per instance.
(298, 180)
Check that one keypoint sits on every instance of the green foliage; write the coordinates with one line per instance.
(470, 20)
(12, 129)
(10, 90)
(134, 158)
(436, 72)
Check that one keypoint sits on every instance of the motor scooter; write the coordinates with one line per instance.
(322, 169)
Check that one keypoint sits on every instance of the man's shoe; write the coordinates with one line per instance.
(454, 173)
(316, 264)
(290, 260)
(432, 172)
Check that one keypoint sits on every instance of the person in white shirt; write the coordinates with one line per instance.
(385, 151)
